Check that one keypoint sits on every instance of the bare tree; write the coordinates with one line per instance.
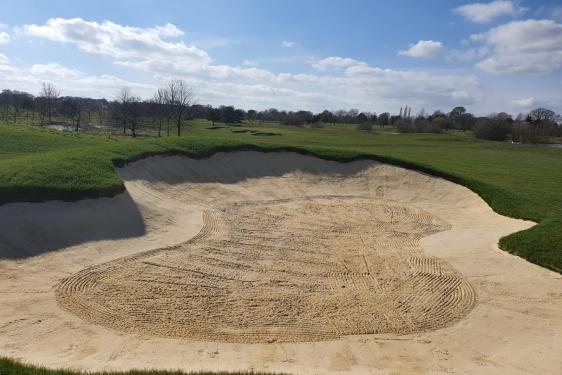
(101, 112)
(160, 101)
(135, 116)
(124, 99)
(541, 115)
(180, 98)
(49, 95)
(72, 108)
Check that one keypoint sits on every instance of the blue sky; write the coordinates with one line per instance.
(371, 55)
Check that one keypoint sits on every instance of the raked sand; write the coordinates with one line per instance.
(275, 262)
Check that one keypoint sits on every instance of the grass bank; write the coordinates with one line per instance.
(10, 367)
(516, 180)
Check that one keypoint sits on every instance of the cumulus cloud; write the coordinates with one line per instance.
(470, 54)
(360, 86)
(248, 62)
(335, 62)
(340, 82)
(415, 84)
(168, 30)
(530, 46)
(525, 102)
(4, 37)
(485, 12)
(70, 81)
(261, 95)
(51, 70)
(287, 44)
(118, 41)
(5, 67)
(423, 49)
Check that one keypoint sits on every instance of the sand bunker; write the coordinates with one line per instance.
(276, 262)
(300, 269)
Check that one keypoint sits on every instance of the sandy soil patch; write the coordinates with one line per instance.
(277, 262)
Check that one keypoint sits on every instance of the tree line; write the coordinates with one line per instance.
(169, 108)
(173, 104)
(537, 126)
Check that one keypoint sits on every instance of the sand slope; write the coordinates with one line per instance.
(250, 248)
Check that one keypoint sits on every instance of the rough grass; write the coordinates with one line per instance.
(10, 367)
(516, 180)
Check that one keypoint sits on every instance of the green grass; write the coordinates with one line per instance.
(516, 180)
(10, 367)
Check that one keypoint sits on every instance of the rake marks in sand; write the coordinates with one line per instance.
(287, 270)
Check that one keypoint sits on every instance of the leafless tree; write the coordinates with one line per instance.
(541, 115)
(101, 112)
(135, 115)
(160, 101)
(73, 109)
(124, 99)
(180, 98)
(49, 95)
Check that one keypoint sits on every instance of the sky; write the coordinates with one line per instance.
(374, 56)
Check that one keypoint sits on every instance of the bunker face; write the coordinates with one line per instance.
(304, 267)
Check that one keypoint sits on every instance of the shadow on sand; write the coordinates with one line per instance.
(30, 229)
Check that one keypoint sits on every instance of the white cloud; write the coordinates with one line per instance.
(168, 30)
(105, 85)
(227, 71)
(525, 102)
(4, 37)
(341, 82)
(414, 84)
(423, 49)
(287, 44)
(248, 62)
(4, 59)
(470, 54)
(54, 70)
(485, 12)
(5, 68)
(70, 81)
(360, 86)
(530, 46)
(147, 50)
(335, 62)
(118, 41)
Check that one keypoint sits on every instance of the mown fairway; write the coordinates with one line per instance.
(516, 180)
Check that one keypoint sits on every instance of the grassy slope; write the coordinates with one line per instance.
(10, 367)
(516, 180)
